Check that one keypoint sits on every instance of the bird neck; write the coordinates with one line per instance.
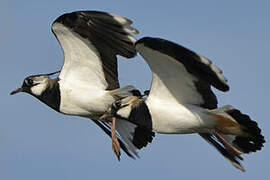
(51, 96)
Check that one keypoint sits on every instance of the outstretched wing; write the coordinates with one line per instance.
(90, 41)
(180, 74)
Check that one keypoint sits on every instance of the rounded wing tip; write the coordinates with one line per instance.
(225, 87)
(143, 40)
(61, 18)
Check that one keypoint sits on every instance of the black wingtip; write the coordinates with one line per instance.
(103, 29)
(142, 137)
(66, 17)
(193, 62)
(72, 16)
(148, 41)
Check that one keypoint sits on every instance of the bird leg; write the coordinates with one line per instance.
(115, 142)
(227, 145)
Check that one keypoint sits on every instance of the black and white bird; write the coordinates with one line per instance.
(181, 101)
(88, 81)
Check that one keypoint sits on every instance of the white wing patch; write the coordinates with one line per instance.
(126, 25)
(120, 19)
(171, 81)
(82, 62)
(213, 67)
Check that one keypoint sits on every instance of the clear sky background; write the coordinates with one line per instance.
(38, 143)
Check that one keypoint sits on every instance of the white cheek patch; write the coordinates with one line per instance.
(124, 112)
(38, 89)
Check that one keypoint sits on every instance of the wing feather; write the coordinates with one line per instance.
(91, 40)
(181, 74)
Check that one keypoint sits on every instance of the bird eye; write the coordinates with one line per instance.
(117, 104)
(29, 82)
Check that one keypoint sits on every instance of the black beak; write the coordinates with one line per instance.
(16, 91)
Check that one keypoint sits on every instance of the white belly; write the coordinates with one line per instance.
(174, 118)
(85, 101)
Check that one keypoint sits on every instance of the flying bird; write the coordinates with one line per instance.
(180, 101)
(88, 83)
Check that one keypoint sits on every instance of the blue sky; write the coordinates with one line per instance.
(38, 143)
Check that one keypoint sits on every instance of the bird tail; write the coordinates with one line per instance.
(235, 134)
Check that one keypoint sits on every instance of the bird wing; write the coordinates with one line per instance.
(135, 137)
(130, 136)
(90, 41)
(180, 74)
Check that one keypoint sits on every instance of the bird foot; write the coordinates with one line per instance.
(227, 145)
(115, 142)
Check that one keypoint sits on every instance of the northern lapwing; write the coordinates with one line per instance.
(181, 101)
(88, 81)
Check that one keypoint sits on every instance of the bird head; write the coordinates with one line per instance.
(35, 84)
(120, 108)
